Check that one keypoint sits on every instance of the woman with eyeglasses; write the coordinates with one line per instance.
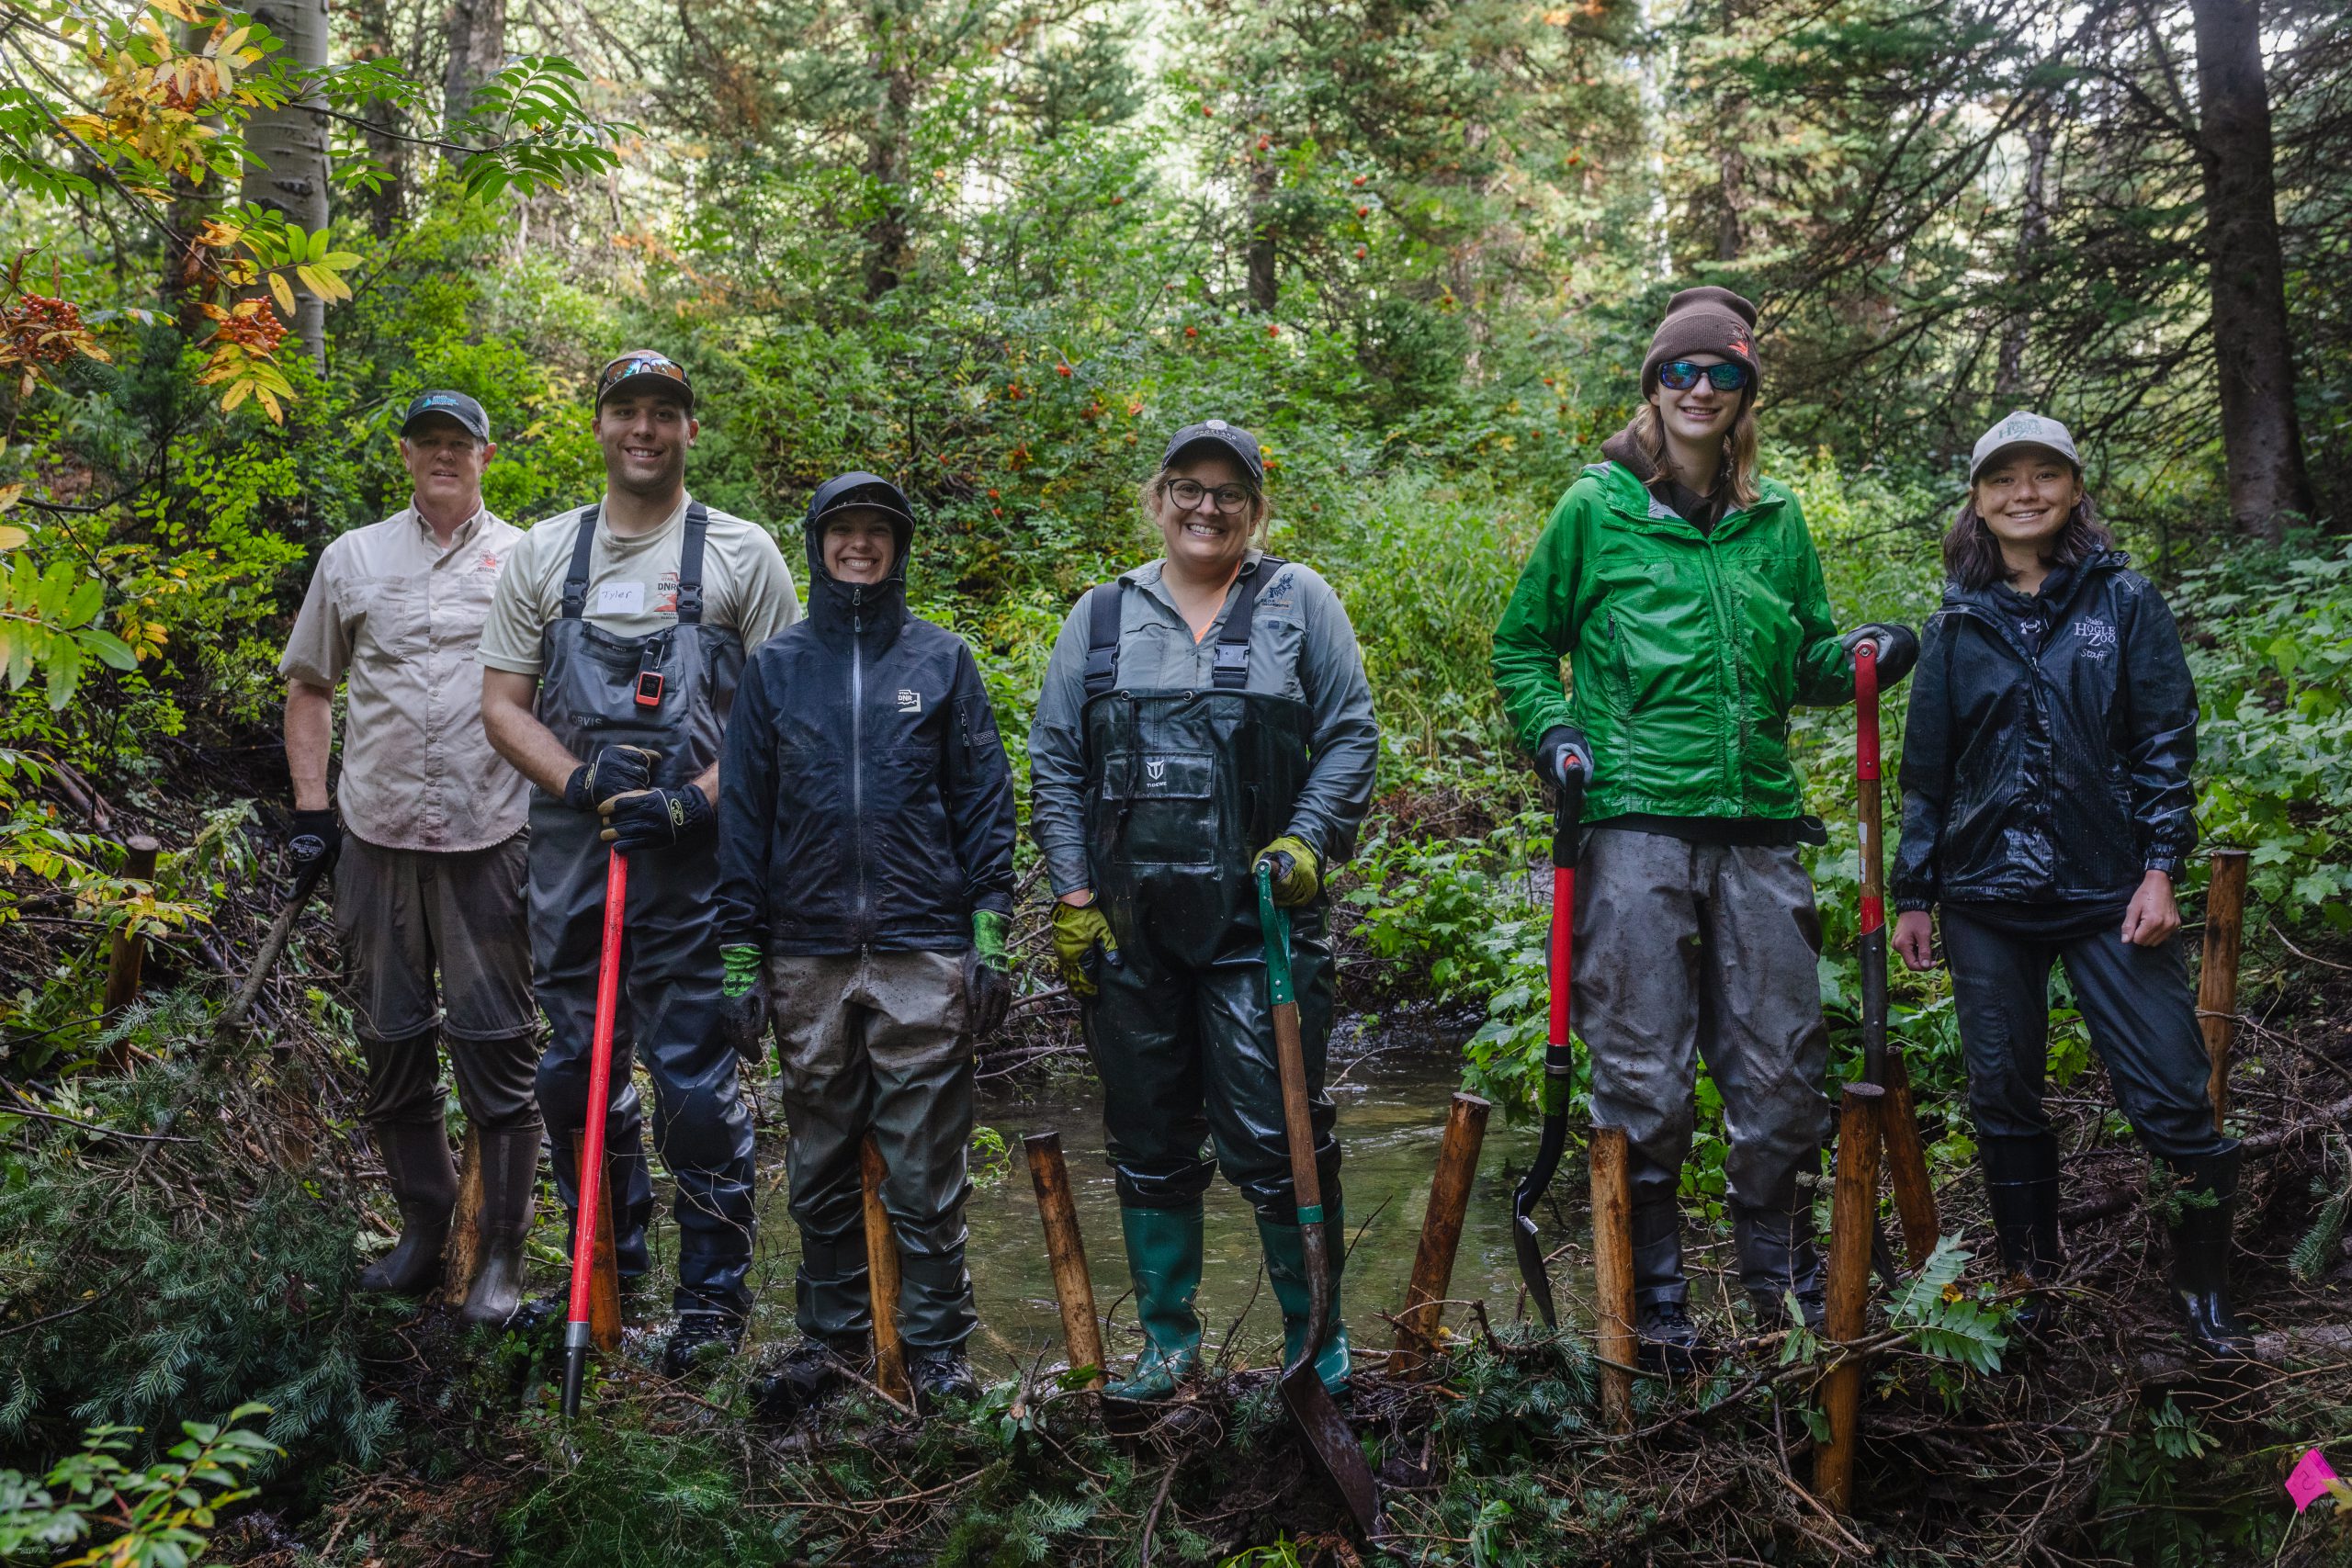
(1685, 593)
(1202, 715)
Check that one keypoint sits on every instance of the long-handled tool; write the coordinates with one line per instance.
(593, 1267)
(1559, 1057)
(1906, 1160)
(1327, 1435)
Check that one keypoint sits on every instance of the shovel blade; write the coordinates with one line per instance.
(1532, 1269)
(1333, 1444)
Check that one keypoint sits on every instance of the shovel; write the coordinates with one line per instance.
(595, 1270)
(1559, 1057)
(1309, 1403)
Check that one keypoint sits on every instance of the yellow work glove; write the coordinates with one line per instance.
(1297, 874)
(1079, 930)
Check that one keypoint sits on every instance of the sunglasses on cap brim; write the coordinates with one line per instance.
(1681, 375)
(621, 370)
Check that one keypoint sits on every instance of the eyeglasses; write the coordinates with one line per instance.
(1681, 375)
(1187, 493)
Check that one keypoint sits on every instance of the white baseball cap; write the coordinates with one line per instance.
(2022, 429)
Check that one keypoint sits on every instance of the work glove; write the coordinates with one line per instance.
(1297, 875)
(1560, 743)
(988, 972)
(656, 819)
(317, 840)
(614, 770)
(1080, 930)
(743, 1001)
(1898, 649)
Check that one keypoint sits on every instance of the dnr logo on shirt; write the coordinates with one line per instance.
(909, 700)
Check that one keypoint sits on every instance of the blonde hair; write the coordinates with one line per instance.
(1739, 449)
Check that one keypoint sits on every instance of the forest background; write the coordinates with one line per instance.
(996, 250)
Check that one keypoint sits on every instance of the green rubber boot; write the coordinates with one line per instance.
(1164, 1256)
(1286, 1267)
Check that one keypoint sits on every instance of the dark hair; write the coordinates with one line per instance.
(1972, 556)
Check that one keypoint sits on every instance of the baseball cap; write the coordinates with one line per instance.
(1216, 432)
(2022, 429)
(640, 365)
(449, 405)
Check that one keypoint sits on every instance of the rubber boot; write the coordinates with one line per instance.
(1287, 1268)
(2021, 1187)
(509, 1183)
(1667, 1339)
(1777, 1259)
(1164, 1258)
(2200, 1256)
(424, 1185)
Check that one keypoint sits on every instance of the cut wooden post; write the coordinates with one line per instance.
(1066, 1250)
(605, 1267)
(1613, 1267)
(1853, 1213)
(1906, 1161)
(1457, 1168)
(128, 950)
(882, 1280)
(2217, 976)
(461, 1254)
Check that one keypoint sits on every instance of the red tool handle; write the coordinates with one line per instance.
(600, 1088)
(1564, 903)
(1866, 770)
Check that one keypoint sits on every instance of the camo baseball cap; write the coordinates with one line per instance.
(639, 366)
(2022, 429)
(446, 405)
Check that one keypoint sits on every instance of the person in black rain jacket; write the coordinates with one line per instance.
(865, 859)
(2047, 810)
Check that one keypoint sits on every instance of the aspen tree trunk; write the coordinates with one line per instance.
(286, 149)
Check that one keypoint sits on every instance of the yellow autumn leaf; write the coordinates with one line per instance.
(9, 496)
(11, 537)
(284, 292)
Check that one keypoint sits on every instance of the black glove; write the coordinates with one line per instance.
(614, 770)
(1898, 649)
(1561, 742)
(656, 819)
(317, 840)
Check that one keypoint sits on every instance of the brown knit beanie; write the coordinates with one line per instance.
(1705, 321)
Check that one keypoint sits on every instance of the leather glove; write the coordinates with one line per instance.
(1898, 649)
(988, 972)
(1297, 875)
(743, 1001)
(614, 770)
(317, 840)
(1080, 930)
(655, 818)
(1561, 742)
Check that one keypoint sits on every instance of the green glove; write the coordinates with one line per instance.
(1297, 871)
(987, 979)
(1079, 930)
(990, 933)
(742, 970)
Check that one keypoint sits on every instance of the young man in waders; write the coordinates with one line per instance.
(428, 879)
(1684, 592)
(609, 664)
(865, 859)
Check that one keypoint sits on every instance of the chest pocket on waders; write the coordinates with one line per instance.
(1160, 806)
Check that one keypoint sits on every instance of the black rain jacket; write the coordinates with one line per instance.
(863, 795)
(2048, 776)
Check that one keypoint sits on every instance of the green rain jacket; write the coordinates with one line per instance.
(1688, 649)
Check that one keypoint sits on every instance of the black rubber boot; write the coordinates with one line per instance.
(1778, 1259)
(510, 1181)
(2021, 1187)
(1664, 1337)
(2200, 1256)
(703, 1338)
(811, 1373)
(424, 1185)
(942, 1375)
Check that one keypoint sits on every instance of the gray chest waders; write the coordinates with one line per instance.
(669, 691)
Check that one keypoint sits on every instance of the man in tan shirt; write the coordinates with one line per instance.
(429, 854)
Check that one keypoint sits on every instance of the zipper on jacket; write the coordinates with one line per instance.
(857, 748)
(1727, 664)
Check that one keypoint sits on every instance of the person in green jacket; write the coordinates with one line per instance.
(1687, 597)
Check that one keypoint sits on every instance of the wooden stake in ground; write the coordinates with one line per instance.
(126, 953)
(882, 1280)
(1906, 1162)
(1457, 1168)
(1066, 1250)
(1613, 1269)
(461, 1254)
(1853, 1213)
(2217, 976)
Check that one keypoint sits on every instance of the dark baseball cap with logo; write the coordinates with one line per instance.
(1216, 432)
(641, 369)
(445, 404)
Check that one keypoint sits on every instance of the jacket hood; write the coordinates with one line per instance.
(838, 606)
(1626, 453)
(2069, 580)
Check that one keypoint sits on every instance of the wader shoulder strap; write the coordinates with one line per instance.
(1102, 636)
(1232, 669)
(690, 565)
(575, 581)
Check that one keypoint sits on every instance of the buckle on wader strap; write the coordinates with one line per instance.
(1230, 671)
(654, 649)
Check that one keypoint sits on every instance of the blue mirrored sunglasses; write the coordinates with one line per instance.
(1681, 375)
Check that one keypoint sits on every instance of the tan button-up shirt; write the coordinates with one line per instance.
(402, 617)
